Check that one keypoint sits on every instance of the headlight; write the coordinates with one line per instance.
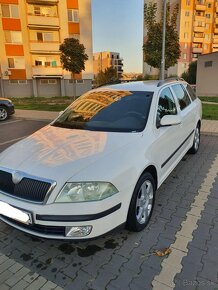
(86, 191)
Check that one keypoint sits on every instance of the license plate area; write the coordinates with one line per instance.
(15, 213)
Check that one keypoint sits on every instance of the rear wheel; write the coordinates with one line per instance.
(196, 142)
(3, 113)
(142, 203)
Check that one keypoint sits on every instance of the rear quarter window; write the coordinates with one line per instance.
(191, 92)
(182, 96)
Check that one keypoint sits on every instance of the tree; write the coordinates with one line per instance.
(73, 57)
(107, 77)
(153, 46)
(190, 75)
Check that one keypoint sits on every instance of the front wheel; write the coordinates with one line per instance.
(142, 203)
(196, 142)
(3, 113)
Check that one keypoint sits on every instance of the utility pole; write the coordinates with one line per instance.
(162, 75)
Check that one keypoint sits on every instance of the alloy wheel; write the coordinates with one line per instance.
(144, 202)
(3, 114)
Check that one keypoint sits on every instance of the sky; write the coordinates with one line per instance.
(118, 27)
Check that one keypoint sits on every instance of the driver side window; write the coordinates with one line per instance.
(166, 105)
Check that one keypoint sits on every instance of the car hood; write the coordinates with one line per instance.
(59, 154)
(3, 99)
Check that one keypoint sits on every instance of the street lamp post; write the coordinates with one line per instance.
(164, 41)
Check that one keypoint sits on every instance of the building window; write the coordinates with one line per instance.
(44, 36)
(209, 5)
(48, 81)
(46, 62)
(186, 13)
(186, 35)
(80, 81)
(13, 36)
(19, 82)
(16, 62)
(205, 46)
(76, 36)
(11, 63)
(207, 15)
(184, 56)
(37, 10)
(208, 64)
(187, 2)
(73, 15)
(10, 11)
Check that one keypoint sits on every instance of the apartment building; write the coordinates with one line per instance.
(198, 32)
(31, 32)
(106, 59)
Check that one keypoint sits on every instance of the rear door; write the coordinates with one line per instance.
(186, 108)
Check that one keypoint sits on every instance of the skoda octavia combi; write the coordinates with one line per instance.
(98, 165)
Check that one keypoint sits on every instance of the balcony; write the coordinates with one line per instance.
(43, 2)
(215, 49)
(200, 7)
(45, 47)
(216, 30)
(39, 70)
(216, 20)
(198, 39)
(199, 29)
(199, 18)
(197, 50)
(43, 21)
(215, 40)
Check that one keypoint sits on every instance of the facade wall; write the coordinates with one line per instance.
(198, 32)
(207, 75)
(30, 35)
(106, 59)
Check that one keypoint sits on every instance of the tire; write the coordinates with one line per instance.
(196, 142)
(3, 113)
(140, 209)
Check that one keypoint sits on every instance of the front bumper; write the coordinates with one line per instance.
(10, 109)
(57, 226)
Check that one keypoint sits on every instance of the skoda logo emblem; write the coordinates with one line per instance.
(16, 177)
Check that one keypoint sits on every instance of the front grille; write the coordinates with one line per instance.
(28, 188)
(41, 229)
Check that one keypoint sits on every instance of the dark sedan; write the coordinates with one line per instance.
(6, 108)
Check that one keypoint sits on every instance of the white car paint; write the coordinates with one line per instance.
(64, 155)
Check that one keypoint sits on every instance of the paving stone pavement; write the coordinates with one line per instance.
(121, 260)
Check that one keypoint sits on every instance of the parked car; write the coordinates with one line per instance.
(6, 108)
(98, 165)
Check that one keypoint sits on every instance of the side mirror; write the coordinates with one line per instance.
(170, 120)
(60, 113)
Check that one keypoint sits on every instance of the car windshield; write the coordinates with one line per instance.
(108, 111)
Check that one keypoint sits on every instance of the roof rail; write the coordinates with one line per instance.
(160, 83)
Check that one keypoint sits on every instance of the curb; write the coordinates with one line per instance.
(215, 134)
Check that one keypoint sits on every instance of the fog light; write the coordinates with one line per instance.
(80, 231)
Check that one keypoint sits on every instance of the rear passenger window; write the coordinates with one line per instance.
(191, 92)
(182, 96)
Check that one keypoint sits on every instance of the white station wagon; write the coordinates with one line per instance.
(98, 165)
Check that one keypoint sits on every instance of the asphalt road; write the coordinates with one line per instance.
(123, 260)
(13, 130)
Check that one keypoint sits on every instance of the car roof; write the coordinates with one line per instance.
(149, 86)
